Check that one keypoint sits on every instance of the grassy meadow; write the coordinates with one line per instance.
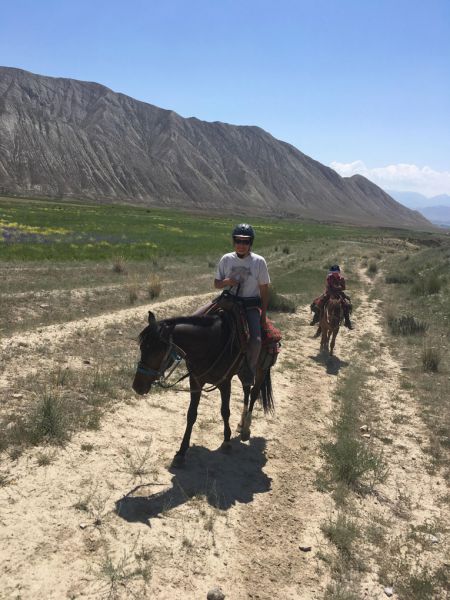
(62, 261)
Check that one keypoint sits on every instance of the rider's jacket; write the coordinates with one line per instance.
(335, 283)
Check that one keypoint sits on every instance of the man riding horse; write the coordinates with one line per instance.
(247, 276)
(335, 286)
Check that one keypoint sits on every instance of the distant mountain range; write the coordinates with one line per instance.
(71, 139)
(436, 209)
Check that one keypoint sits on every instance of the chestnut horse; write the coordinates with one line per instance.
(213, 355)
(330, 321)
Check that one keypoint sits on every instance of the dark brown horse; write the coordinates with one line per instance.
(330, 321)
(213, 355)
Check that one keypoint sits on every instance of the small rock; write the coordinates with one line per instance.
(86, 361)
(364, 428)
(215, 594)
(305, 548)
(10, 425)
(44, 305)
(17, 396)
(389, 591)
(83, 525)
(366, 435)
(23, 344)
(433, 539)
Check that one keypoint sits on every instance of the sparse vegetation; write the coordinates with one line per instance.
(427, 286)
(119, 265)
(279, 303)
(399, 278)
(154, 287)
(406, 325)
(349, 459)
(342, 532)
(372, 268)
(49, 420)
(430, 359)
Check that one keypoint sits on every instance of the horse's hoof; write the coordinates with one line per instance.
(245, 436)
(226, 447)
(179, 460)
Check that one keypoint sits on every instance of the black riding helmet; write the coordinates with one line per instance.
(334, 268)
(243, 230)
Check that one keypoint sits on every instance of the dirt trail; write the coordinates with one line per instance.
(108, 511)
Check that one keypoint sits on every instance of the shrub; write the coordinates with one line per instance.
(427, 286)
(372, 268)
(49, 421)
(280, 303)
(154, 287)
(430, 359)
(133, 292)
(350, 461)
(119, 264)
(406, 325)
(286, 250)
(398, 278)
(342, 532)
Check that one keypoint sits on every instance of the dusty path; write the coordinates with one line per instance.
(108, 519)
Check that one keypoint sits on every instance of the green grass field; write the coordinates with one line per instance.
(37, 230)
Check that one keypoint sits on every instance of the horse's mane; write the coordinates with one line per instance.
(201, 321)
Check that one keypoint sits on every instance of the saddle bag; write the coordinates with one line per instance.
(270, 346)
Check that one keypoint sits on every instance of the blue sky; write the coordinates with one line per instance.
(359, 85)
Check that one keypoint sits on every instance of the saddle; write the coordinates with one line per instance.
(234, 306)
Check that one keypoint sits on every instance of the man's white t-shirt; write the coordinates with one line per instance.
(251, 272)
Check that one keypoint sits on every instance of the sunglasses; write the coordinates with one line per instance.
(246, 242)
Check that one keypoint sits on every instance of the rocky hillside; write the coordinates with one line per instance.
(66, 138)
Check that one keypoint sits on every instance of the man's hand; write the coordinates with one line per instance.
(219, 284)
(263, 319)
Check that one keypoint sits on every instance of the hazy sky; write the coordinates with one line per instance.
(361, 85)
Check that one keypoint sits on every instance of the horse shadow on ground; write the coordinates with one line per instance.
(224, 479)
(333, 364)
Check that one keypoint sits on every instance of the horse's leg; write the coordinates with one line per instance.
(246, 389)
(225, 393)
(323, 339)
(179, 458)
(247, 421)
(333, 341)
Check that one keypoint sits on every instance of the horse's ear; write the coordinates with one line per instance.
(151, 319)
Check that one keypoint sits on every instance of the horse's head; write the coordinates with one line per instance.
(155, 355)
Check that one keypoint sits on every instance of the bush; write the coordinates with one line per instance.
(49, 421)
(286, 250)
(280, 303)
(426, 286)
(154, 287)
(398, 278)
(430, 359)
(342, 532)
(119, 264)
(406, 325)
(372, 268)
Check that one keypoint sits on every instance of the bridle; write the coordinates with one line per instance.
(173, 356)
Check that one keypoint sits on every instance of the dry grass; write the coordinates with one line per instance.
(154, 287)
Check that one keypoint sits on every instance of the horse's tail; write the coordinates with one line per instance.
(266, 394)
